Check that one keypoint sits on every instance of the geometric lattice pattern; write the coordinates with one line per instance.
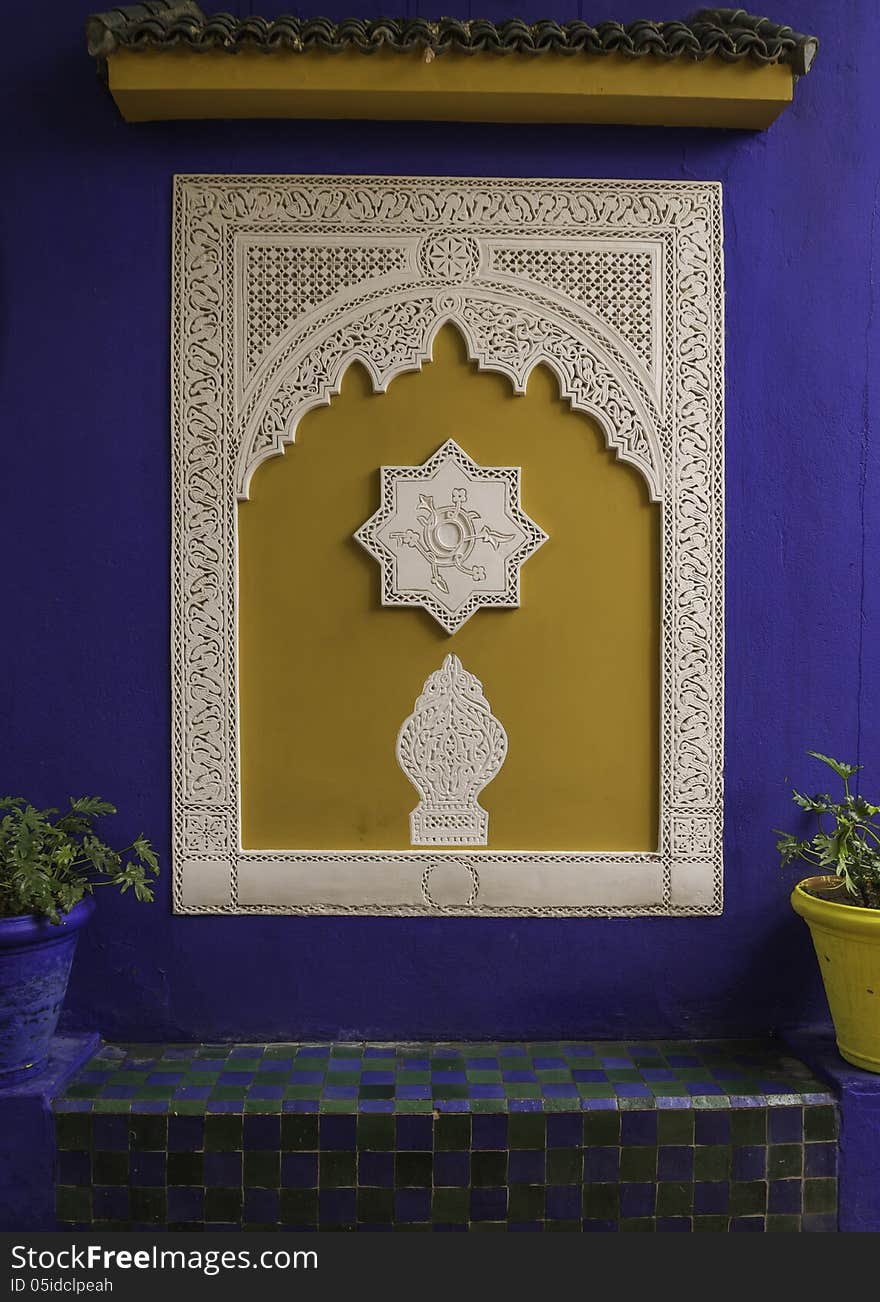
(573, 1136)
(280, 282)
(615, 284)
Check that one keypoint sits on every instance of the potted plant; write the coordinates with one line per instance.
(841, 906)
(50, 865)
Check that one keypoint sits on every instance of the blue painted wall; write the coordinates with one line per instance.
(84, 661)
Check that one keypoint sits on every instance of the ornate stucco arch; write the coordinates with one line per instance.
(280, 283)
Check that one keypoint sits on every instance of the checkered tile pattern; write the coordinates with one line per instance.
(592, 1136)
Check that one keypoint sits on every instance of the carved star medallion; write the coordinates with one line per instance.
(450, 536)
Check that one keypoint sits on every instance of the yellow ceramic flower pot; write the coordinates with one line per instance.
(847, 943)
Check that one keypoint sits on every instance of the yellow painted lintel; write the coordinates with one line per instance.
(482, 87)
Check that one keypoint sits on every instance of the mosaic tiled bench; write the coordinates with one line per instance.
(657, 1136)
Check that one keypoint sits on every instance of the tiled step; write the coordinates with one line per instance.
(657, 1136)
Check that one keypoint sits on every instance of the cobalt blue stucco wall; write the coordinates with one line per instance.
(84, 661)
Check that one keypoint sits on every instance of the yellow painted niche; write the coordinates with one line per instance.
(327, 675)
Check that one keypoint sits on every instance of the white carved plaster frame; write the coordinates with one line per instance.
(658, 402)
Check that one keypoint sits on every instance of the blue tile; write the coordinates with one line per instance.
(300, 1170)
(224, 1105)
(337, 1207)
(747, 1225)
(711, 1197)
(186, 1203)
(147, 1170)
(260, 1206)
(785, 1196)
(525, 1105)
(786, 1125)
(550, 1064)
(375, 1105)
(339, 1133)
(452, 1170)
(276, 1064)
(165, 1077)
(590, 1075)
(675, 1162)
(339, 1091)
(594, 1226)
(412, 1205)
(193, 1092)
(564, 1130)
(262, 1130)
(110, 1133)
(683, 1060)
(525, 1166)
(376, 1170)
(448, 1078)
(563, 1202)
(304, 1078)
(74, 1167)
(750, 1162)
(415, 1133)
(478, 1064)
(674, 1225)
(416, 1064)
(631, 1089)
(601, 1164)
(820, 1159)
(378, 1078)
(478, 1091)
(110, 1203)
(413, 1092)
(488, 1204)
(266, 1091)
(243, 1078)
(519, 1077)
(637, 1199)
(712, 1127)
(300, 1105)
(601, 1105)
(638, 1127)
(820, 1223)
(489, 1131)
(223, 1169)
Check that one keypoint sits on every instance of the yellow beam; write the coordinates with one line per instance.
(481, 87)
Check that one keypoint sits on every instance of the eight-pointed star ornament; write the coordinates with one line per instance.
(450, 536)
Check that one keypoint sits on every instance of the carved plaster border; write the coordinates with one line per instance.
(530, 271)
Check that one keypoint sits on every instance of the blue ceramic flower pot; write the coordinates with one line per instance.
(35, 960)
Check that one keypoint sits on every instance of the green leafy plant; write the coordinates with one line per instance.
(47, 865)
(847, 843)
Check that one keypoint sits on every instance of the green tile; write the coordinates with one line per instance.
(186, 1107)
(73, 1130)
(148, 1133)
(638, 1225)
(602, 1129)
(223, 1132)
(346, 1051)
(638, 1163)
(484, 1077)
(526, 1130)
(588, 1090)
(820, 1195)
(711, 1224)
(785, 1161)
(748, 1197)
(413, 1106)
(82, 1091)
(340, 1078)
(452, 1133)
(675, 1198)
(112, 1106)
(601, 1201)
(73, 1203)
(186, 1168)
(375, 1206)
(564, 1165)
(262, 1106)
(337, 1170)
(526, 1202)
(299, 1206)
(223, 1205)
(450, 1206)
(488, 1169)
(273, 1078)
(748, 1126)
(777, 1223)
(490, 1105)
(302, 1092)
(148, 1206)
(261, 1169)
(675, 1126)
(375, 1133)
(668, 1089)
(622, 1075)
(711, 1162)
(414, 1170)
(228, 1093)
(556, 1227)
(413, 1078)
(110, 1168)
(820, 1122)
(299, 1133)
(553, 1076)
(450, 1091)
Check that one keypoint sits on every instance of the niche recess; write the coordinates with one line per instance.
(566, 320)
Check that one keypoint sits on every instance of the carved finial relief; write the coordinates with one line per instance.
(450, 747)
